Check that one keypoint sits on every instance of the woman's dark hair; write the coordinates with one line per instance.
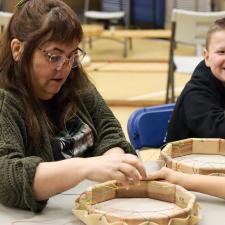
(34, 23)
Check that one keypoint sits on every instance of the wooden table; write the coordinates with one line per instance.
(98, 31)
(137, 33)
(92, 30)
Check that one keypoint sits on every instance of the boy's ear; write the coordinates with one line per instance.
(206, 56)
(16, 48)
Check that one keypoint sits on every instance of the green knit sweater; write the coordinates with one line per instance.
(19, 158)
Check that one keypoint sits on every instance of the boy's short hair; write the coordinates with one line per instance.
(218, 25)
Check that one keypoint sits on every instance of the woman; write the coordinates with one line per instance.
(51, 114)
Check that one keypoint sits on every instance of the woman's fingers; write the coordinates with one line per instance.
(130, 172)
(120, 167)
(136, 163)
(121, 178)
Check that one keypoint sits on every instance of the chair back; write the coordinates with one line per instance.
(191, 26)
(114, 5)
(147, 127)
(110, 10)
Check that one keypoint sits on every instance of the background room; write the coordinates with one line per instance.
(128, 57)
(59, 138)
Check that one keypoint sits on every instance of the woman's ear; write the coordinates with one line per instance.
(16, 48)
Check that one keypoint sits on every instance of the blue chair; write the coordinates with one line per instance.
(147, 127)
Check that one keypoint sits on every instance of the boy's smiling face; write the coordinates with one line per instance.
(215, 55)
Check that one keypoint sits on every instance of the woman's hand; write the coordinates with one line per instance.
(54, 177)
(120, 167)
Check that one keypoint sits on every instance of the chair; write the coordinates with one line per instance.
(4, 20)
(188, 27)
(147, 127)
(112, 11)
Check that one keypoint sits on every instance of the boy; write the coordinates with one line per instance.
(199, 111)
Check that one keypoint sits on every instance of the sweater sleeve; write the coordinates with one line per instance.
(204, 114)
(109, 131)
(17, 170)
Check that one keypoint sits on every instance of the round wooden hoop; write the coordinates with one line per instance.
(190, 146)
(187, 215)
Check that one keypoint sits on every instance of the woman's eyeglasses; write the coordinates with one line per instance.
(58, 61)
